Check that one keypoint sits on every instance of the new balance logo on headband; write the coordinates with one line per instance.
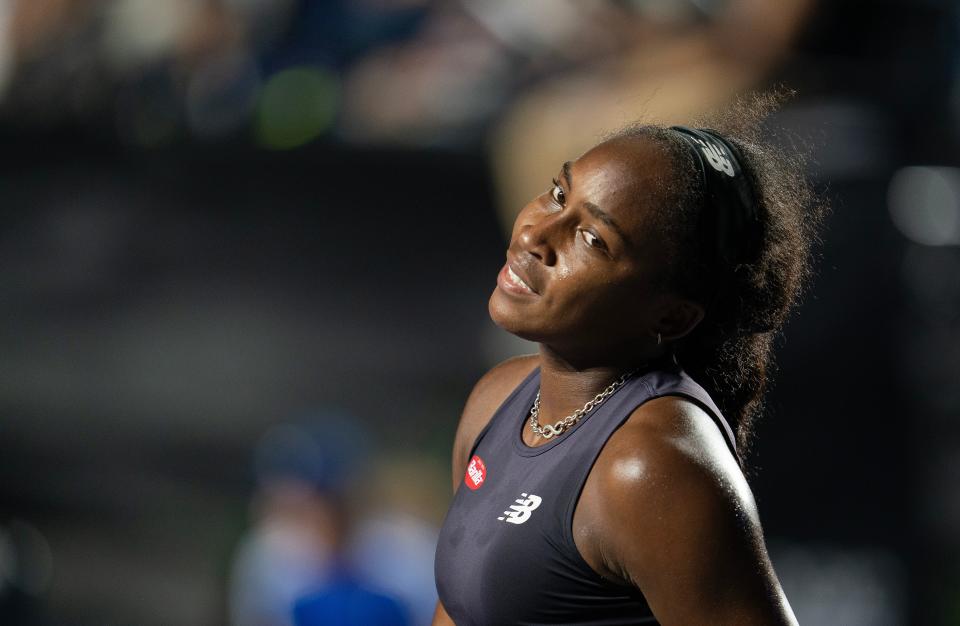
(716, 156)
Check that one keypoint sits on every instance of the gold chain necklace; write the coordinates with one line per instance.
(547, 431)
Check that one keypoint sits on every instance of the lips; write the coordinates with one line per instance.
(512, 281)
(516, 280)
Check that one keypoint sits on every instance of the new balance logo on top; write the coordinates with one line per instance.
(716, 156)
(521, 511)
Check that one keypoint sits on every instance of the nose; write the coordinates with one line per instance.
(538, 238)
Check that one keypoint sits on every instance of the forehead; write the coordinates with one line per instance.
(626, 177)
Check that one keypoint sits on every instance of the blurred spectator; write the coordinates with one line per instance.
(346, 602)
(393, 544)
(291, 567)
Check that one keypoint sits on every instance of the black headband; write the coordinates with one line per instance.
(729, 219)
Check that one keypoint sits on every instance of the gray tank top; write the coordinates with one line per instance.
(506, 553)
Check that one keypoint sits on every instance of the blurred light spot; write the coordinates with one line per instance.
(222, 94)
(140, 31)
(297, 105)
(521, 25)
(924, 204)
(832, 585)
(26, 561)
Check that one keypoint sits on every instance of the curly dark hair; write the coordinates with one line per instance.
(730, 351)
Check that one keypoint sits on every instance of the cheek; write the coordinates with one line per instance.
(528, 214)
(610, 305)
(564, 270)
(589, 302)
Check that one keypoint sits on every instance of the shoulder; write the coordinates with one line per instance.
(493, 388)
(674, 516)
(669, 460)
(488, 394)
(674, 436)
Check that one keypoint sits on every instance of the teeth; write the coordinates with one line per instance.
(516, 279)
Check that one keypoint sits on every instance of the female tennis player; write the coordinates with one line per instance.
(600, 481)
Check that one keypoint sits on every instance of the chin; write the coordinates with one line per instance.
(501, 312)
(509, 316)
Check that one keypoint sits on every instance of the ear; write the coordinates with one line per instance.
(678, 318)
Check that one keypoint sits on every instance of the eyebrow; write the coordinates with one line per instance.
(566, 174)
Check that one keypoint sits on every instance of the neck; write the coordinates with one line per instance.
(566, 385)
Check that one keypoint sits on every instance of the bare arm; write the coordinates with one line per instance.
(440, 617)
(487, 396)
(679, 521)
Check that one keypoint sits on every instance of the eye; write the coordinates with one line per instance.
(592, 240)
(557, 193)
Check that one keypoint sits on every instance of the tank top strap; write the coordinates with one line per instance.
(676, 382)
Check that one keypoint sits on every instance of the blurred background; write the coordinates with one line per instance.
(246, 249)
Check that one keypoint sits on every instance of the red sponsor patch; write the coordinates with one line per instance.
(476, 473)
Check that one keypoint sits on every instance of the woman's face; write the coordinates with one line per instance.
(583, 259)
